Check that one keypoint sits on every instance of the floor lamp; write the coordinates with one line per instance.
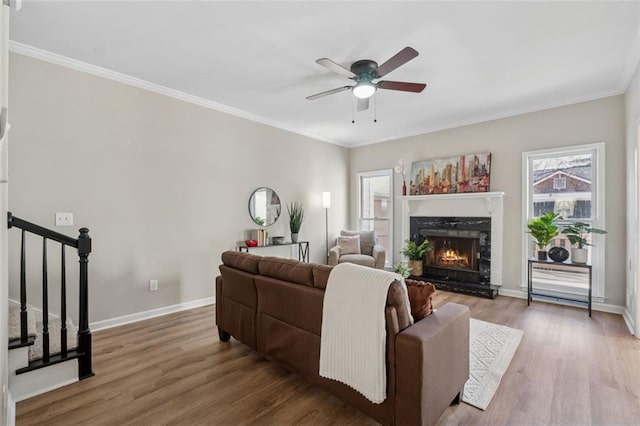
(326, 205)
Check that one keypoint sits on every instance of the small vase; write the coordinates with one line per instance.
(294, 237)
(404, 188)
(415, 267)
(579, 255)
(542, 255)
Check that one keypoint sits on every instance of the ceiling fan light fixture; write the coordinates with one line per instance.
(364, 89)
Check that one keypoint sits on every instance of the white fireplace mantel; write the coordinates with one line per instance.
(477, 204)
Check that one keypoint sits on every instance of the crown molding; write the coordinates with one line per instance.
(64, 61)
(632, 63)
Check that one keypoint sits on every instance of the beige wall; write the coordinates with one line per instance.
(162, 184)
(632, 109)
(506, 139)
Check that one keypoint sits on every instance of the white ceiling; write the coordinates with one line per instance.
(480, 60)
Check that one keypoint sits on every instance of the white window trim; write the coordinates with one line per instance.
(373, 173)
(598, 221)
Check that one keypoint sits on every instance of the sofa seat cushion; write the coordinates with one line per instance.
(286, 270)
(359, 259)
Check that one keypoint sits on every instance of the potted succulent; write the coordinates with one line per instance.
(296, 217)
(543, 229)
(402, 269)
(577, 234)
(416, 253)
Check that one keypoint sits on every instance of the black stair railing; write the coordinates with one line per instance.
(83, 244)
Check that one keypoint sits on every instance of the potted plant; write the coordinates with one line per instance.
(543, 229)
(416, 253)
(402, 269)
(296, 216)
(577, 234)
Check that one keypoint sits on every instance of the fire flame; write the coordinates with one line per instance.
(452, 256)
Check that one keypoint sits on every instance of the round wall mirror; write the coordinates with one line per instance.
(264, 206)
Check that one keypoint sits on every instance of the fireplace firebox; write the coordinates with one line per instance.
(460, 256)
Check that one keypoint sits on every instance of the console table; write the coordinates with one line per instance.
(303, 248)
(532, 293)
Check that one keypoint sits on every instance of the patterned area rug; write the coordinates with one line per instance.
(491, 348)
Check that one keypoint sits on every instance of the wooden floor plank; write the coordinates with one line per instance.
(569, 370)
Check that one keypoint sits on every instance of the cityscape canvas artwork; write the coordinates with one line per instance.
(464, 173)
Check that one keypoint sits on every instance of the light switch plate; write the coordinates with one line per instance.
(64, 219)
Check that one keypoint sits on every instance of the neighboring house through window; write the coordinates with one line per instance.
(568, 181)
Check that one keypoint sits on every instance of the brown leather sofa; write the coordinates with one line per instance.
(275, 306)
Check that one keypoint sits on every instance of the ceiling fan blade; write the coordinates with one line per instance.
(402, 86)
(363, 104)
(337, 68)
(328, 92)
(400, 58)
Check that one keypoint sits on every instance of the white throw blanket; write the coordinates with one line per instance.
(352, 344)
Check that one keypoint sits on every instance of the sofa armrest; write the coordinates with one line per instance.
(334, 255)
(379, 256)
(432, 365)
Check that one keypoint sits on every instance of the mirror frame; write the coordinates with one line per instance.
(278, 209)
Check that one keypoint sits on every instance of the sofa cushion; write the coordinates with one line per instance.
(321, 275)
(397, 297)
(349, 245)
(286, 270)
(244, 261)
(367, 240)
(359, 259)
(420, 295)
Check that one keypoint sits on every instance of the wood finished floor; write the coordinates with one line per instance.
(569, 370)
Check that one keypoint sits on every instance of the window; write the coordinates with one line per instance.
(568, 181)
(375, 207)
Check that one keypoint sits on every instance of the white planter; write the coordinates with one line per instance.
(579, 255)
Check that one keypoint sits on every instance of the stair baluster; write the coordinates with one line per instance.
(23, 292)
(45, 304)
(63, 304)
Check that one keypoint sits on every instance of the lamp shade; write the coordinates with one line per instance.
(326, 200)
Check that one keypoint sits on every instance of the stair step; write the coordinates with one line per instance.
(53, 359)
(14, 321)
(17, 343)
(55, 344)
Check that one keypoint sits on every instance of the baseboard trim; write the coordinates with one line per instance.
(141, 316)
(630, 325)
(601, 307)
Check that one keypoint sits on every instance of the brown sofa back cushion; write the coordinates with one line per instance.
(420, 295)
(321, 275)
(286, 270)
(246, 262)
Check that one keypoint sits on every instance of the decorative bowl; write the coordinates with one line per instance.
(251, 243)
(277, 240)
(558, 254)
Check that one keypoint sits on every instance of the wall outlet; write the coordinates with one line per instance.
(153, 285)
(64, 219)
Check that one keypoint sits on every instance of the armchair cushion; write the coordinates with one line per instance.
(359, 259)
(349, 245)
(367, 240)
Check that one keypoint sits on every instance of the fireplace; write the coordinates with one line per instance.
(460, 255)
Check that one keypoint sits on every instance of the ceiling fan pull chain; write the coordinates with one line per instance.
(375, 108)
(353, 112)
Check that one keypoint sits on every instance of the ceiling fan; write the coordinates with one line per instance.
(364, 71)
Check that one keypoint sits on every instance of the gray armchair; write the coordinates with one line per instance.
(371, 254)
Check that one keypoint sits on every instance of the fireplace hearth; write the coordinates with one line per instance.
(460, 256)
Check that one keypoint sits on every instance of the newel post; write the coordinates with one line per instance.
(84, 334)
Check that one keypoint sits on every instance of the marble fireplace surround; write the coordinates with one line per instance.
(479, 204)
